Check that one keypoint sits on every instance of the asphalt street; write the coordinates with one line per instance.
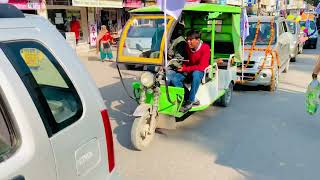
(261, 136)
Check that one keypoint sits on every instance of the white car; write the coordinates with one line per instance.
(53, 121)
(296, 46)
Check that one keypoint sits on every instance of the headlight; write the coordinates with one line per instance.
(267, 62)
(147, 79)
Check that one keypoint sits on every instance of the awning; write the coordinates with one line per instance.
(98, 3)
(26, 4)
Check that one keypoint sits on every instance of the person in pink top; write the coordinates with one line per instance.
(199, 58)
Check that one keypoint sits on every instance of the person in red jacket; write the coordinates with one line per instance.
(75, 27)
(199, 58)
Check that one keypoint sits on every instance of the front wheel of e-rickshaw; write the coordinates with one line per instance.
(141, 137)
(226, 98)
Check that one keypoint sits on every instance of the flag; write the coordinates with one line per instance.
(318, 9)
(251, 2)
(173, 7)
(244, 24)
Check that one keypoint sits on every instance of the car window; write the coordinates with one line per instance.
(142, 32)
(8, 139)
(5, 141)
(292, 26)
(311, 24)
(53, 93)
(144, 38)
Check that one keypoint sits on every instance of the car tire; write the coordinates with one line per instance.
(293, 59)
(286, 69)
(314, 46)
(226, 98)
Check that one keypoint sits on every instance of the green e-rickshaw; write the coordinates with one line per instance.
(143, 43)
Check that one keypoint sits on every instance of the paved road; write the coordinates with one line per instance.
(261, 136)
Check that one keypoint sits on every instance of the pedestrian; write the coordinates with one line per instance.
(75, 27)
(104, 42)
(316, 69)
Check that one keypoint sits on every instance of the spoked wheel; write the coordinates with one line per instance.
(140, 135)
(226, 98)
(275, 83)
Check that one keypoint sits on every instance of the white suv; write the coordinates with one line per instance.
(53, 121)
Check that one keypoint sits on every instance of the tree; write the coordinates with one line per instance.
(313, 2)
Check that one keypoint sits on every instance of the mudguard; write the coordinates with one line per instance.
(141, 110)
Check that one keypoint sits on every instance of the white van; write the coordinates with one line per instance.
(280, 43)
(53, 121)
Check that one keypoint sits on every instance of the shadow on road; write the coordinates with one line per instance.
(120, 108)
(258, 142)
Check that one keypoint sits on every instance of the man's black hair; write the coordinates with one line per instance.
(178, 31)
(194, 34)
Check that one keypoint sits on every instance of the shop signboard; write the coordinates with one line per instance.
(98, 3)
(133, 3)
(93, 34)
(26, 4)
(193, 1)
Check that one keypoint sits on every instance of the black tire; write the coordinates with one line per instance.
(314, 46)
(293, 59)
(226, 98)
(140, 138)
(286, 69)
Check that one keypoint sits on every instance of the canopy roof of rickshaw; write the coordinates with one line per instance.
(205, 7)
(230, 34)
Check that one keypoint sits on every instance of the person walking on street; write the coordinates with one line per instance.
(104, 42)
(316, 69)
(75, 27)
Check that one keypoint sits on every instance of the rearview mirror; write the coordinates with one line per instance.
(139, 47)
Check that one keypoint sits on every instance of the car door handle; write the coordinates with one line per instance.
(18, 178)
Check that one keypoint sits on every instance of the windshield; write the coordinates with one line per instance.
(264, 33)
(144, 38)
(292, 27)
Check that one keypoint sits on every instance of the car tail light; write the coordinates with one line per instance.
(109, 139)
(124, 45)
